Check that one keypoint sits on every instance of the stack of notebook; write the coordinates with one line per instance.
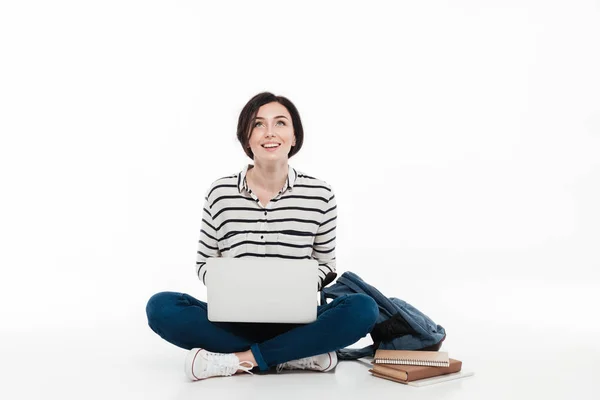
(416, 368)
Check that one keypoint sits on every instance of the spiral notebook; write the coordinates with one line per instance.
(409, 373)
(412, 357)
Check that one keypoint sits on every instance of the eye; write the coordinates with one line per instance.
(256, 124)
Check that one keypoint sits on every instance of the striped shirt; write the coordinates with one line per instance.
(298, 223)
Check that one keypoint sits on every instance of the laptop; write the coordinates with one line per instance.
(262, 290)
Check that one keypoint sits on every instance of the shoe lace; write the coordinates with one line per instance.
(302, 363)
(226, 364)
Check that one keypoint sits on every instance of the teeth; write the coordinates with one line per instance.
(270, 145)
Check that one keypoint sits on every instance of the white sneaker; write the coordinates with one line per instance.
(201, 364)
(323, 362)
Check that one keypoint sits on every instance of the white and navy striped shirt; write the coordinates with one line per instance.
(300, 222)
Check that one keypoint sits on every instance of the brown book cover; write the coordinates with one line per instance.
(387, 377)
(412, 357)
(408, 373)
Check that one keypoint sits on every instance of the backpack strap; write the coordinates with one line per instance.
(354, 282)
(338, 289)
(345, 281)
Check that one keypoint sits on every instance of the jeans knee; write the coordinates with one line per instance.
(367, 310)
(159, 304)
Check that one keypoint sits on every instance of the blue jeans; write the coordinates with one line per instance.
(183, 321)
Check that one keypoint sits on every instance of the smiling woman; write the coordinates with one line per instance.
(269, 209)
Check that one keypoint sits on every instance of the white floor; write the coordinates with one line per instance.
(546, 347)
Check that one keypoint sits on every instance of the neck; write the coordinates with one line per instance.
(270, 178)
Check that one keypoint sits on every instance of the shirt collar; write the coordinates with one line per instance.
(289, 183)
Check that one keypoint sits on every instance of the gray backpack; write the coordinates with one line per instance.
(399, 326)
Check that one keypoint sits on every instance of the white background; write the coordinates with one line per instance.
(462, 140)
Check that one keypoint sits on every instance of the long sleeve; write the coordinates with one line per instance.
(324, 245)
(207, 245)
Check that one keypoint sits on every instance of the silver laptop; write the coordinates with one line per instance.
(261, 290)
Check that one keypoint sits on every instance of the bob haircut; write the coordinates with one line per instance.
(247, 119)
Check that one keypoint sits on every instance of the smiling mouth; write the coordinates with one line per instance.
(271, 148)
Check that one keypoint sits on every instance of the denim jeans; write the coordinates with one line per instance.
(183, 321)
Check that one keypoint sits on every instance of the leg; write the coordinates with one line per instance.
(340, 323)
(183, 321)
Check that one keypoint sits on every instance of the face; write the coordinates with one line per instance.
(273, 124)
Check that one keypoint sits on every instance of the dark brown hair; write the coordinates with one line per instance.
(248, 117)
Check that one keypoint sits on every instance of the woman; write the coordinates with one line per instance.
(267, 210)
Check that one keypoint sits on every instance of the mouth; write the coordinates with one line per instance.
(271, 149)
